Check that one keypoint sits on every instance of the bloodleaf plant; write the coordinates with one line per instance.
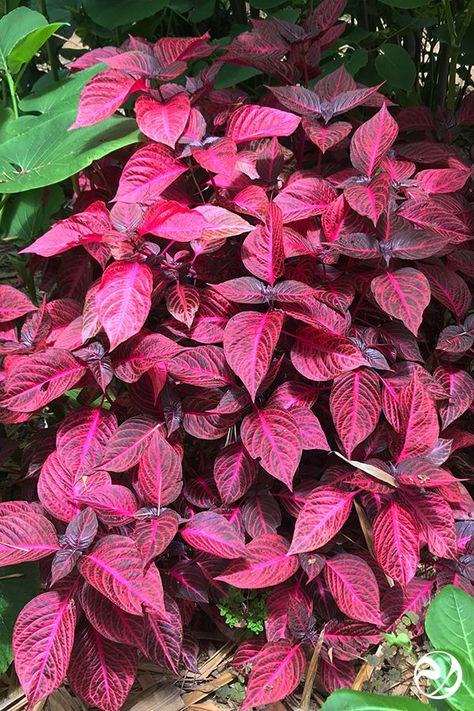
(252, 361)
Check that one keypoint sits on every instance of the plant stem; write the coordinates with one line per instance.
(12, 90)
(311, 675)
(52, 58)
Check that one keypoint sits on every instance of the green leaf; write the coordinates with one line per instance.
(406, 4)
(40, 150)
(29, 45)
(116, 13)
(231, 74)
(28, 214)
(358, 59)
(18, 584)
(448, 622)
(266, 4)
(395, 65)
(202, 10)
(347, 700)
(14, 27)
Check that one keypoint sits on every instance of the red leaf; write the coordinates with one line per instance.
(403, 294)
(164, 637)
(324, 513)
(252, 121)
(354, 587)
(326, 137)
(305, 197)
(244, 290)
(321, 356)
(42, 642)
(460, 387)
(448, 288)
(312, 434)
(436, 519)
(115, 505)
(250, 339)
(114, 567)
(159, 471)
(24, 538)
(182, 301)
(432, 216)
(82, 437)
(147, 173)
(221, 223)
(396, 543)
(272, 435)
(266, 563)
(356, 405)
(101, 672)
(234, 472)
(137, 356)
(419, 429)
(163, 122)
(48, 376)
(128, 443)
(204, 367)
(154, 536)
(102, 96)
(370, 200)
(212, 533)
(124, 300)
(13, 303)
(262, 251)
(371, 141)
(443, 180)
(276, 673)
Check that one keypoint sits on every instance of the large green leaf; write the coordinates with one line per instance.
(406, 4)
(395, 65)
(28, 214)
(116, 13)
(231, 75)
(347, 700)
(18, 584)
(29, 45)
(22, 33)
(40, 150)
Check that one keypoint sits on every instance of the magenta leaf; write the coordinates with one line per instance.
(370, 200)
(403, 294)
(102, 96)
(234, 472)
(459, 387)
(418, 420)
(24, 538)
(163, 122)
(159, 471)
(204, 366)
(212, 533)
(148, 172)
(250, 339)
(182, 301)
(372, 140)
(266, 563)
(326, 137)
(262, 251)
(128, 443)
(82, 438)
(396, 542)
(153, 535)
(250, 122)
(101, 671)
(13, 303)
(276, 673)
(305, 197)
(42, 642)
(349, 640)
(354, 587)
(324, 513)
(320, 356)
(164, 637)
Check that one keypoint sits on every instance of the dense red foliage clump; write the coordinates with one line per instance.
(255, 288)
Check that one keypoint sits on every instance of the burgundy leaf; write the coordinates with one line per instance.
(354, 587)
(101, 672)
(266, 563)
(396, 542)
(147, 173)
(42, 642)
(250, 339)
(370, 200)
(164, 637)
(403, 294)
(436, 519)
(82, 438)
(419, 428)
(204, 366)
(154, 536)
(212, 533)
(128, 443)
(372, 140)
(349, 640)
(252, 121)
(320, 356)
(114, 504)
(234, 472)
(276, 673)
(324, 513)
(305, 197)
(140, 354)
(24, 538)
(326, 137)
(460, 388)
(13, 303)
(262, 251)
(163, 122)
(448, 288)
(159, 471)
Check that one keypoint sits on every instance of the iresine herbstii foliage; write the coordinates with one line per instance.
(251, 289)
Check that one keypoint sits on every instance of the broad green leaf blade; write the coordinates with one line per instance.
(29, 45)
(231, 75)
(395, 65)
(28, 214)
(62, 92)
(14, 27)
(347, 700)
(406, 4)
(111, 14)
(18, 584)
(449, 678)
(449, 624)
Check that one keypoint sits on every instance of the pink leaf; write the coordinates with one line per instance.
(128, 443)
(396, 544)
(163, 122)
(371, 141)
(252, 121)
(250, 339)
(305, 197)
(159, 471)
(140, 354)
(182, 301)
(26, 537)
(262, 251)
(124, 300)
(436, 520)
(102, 96)
(324, 513)
(460, 386)
(356, 405)
(13, 303)
(82, 438)
(147, 173)
(114, 567)
(212, 533)
(419, 428)
(321, 356)
(234, 472)
(448, 288)
(101, 672)
(275, 674)
(370, 200)
(326, 137)
(115, 505)
(354, 587)
(266, 563)
(164, 637)
(403, 294)
(42, 642)
(154, 536)
(204, 366)
(222, 223)
(272, 435)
